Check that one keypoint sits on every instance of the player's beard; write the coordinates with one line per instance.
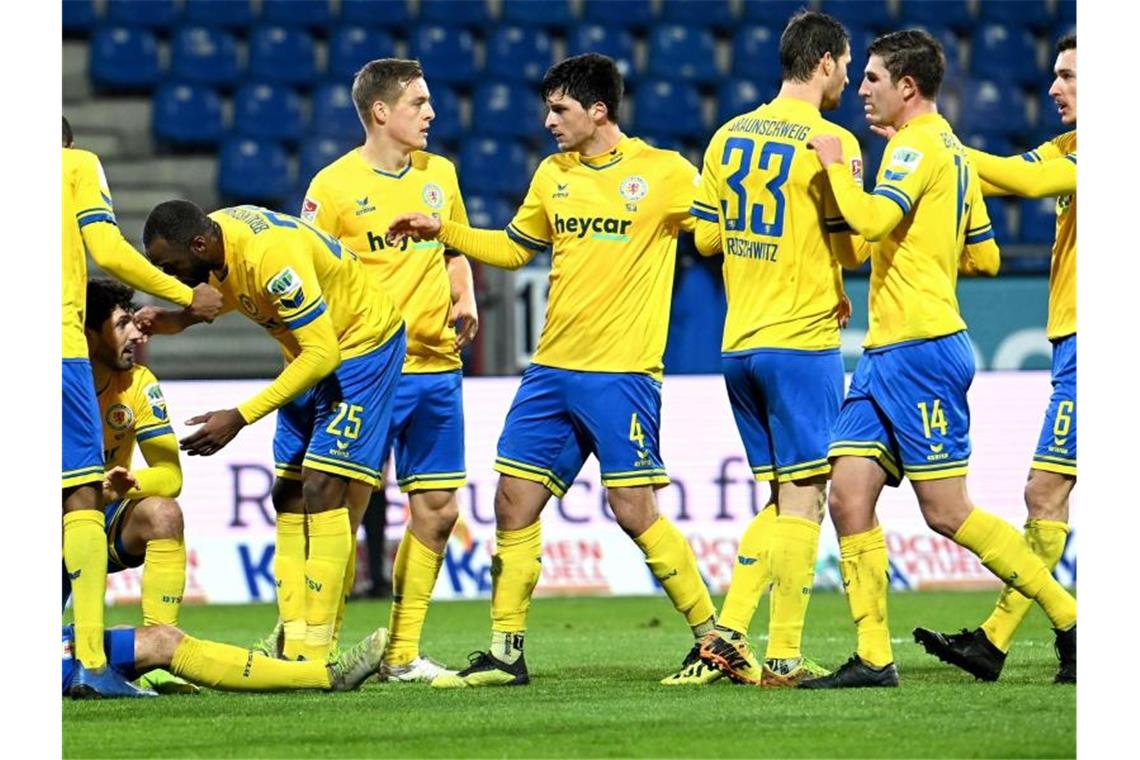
(199, 271)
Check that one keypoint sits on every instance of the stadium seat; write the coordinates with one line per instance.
(987, 107)
(697, 312)
(268, 112)
(188, 116)
(488, 212)
(307, 14)
(1027, 14)
(141, 14)
(487, 165)
(553, 14)
(737, 96)
(664, 142)
(668, 108)
(1005, 53)
(201, 55)
(334, 114)
(1038, 221)
(626, 14)
(989, 142)
(615, 42)
(858, 15)
(79, 17)
(714, 14)
(124, 59)
(466, 13)
(286, 56)
(682, 53)
(390, 14)
(447, 124)
(518, 53)
(771, 13)
(1066, 15)
(506, 109)
(350, 47)
(756, 54)
(1048, 118)
(954, 14)
(999, 211)
(315, 154)
(446, 53)
(250, 171)
(232, 14)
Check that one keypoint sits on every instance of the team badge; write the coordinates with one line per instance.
(433, 195)
(156, 400)
(309, 209)
(119, 417)
(857, 169)
(633, 188)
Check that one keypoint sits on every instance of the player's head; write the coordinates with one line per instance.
(182, 241)
(582, 94)
(112, 336)
(903, 69)
(815, 48)
(1064, 88)
(68, 137)
(391, 96)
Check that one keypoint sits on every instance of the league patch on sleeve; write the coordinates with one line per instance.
(857, 169)
(905, 159)
(156, 400)
(286, 285)
(309, 209)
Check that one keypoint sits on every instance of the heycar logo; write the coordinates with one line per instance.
(600, 228)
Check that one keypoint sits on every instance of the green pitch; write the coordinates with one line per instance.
(594, 666)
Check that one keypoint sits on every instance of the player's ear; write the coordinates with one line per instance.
(828, 63)
(380, 112)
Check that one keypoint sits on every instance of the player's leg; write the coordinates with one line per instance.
(113, 681)
(357, 497)
(152, 529)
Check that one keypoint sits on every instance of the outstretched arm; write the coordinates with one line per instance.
(1024, 176)
(495, 247)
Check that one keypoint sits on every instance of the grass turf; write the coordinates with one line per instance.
(594, 666)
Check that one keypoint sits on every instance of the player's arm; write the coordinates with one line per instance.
(980, 255)
(870, 215)
(848, 248)
(463, 306)
(1029, 175)
(705, 208)
(162, 475)
(319, 207)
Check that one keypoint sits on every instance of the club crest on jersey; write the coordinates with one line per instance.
(433, 195)
(119, 417)
(633, 188)
(156, 400)
(363, 207)
(309, 209)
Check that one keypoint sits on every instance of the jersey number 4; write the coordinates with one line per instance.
(772, 153)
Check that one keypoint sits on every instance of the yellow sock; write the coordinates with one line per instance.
(795, 544)
(346, 591)
(672, 562)
(413, 578)
(330, 546)
(1047, 540)
(289, 569)
(515, 570)
(863, 563)
(222, 666)
(751, 574)
(1005, 553)
(85, 555)
(163, 581)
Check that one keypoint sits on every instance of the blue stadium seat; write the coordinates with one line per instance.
(665, 142)
(232, 14)
(446, 125)
(988, 107)
(488, 165)
(1038, 221)
(124, 59)
(467, 13)
(1027, 14)
(773, 13)
(552, 14)
(141, 14)
(386, 13)
(268, 112)
(518, 53)
(627, 14)
(999, 211)
(874, 15)
(250, 171)
(188, 116)
(350, 47)
(756, 53)
(446, 53)
(333, 113)
(850, 113)
(1005, 53)
(668, 108)
(714, 14)
(989, 142)
(698, 311)
(737, 96)
(506, 109)
(315, 154)
(679, 52)
(1048, 118)
(278, 54)
(612, 41)
(1066, 15)
(307, 14)
(79, 16)
(872, 147)
(954, 14)
(202, 55)
(488, 212)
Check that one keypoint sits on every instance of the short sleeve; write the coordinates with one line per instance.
(92, 196)
(706, 203)
(684, 184)
(287, 277)
(319, 207)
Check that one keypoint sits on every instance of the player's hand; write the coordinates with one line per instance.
(207, 303)
(887, 132)
(117, 482)
(843, 312)
(828, 147)
(218, 429)
(464, 309)
(416, 226)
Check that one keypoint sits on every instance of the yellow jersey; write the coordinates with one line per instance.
(285, 275)
(86, 200)
(354, 202)
(1063, 266)
(612, 221)
(914, 264)
(771, 198)
(133, 410)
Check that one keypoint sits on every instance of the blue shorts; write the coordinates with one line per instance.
(118, 558)
(1057, 447)
(118, 643)
(560, 416)
(785, 402)
(427, 431)
(82, 429)
(342, 425)
(906, 408)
